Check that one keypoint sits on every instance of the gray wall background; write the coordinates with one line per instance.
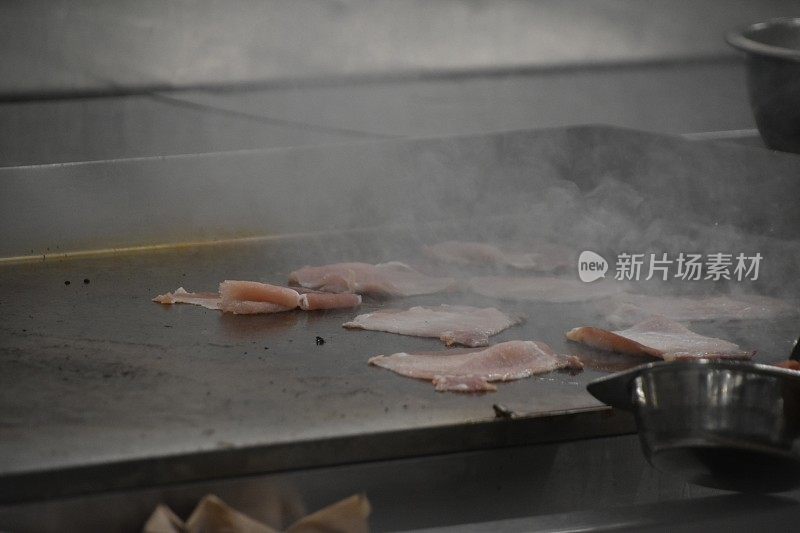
(79, 46)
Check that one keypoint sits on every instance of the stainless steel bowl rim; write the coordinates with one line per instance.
(615, 390)
(738, 39)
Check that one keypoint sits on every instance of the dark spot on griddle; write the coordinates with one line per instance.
(167, 326)
(66, 282)
(85, 281)
(385, 409)
(501, 411)
(319, 340)
(106, 376)
(266, 347)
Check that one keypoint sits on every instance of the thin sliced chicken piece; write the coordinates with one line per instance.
(462, 384)
(213, 300)
(453, 324)
(658, 337)
(209, 300)
(543, 257)
(472, 371)
(384, 279)
(247, 307)
(313, 301)
(251, 297)
(254, 291)
(543, 289)
(632, 308)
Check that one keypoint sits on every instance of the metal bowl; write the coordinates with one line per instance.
(773, 79)
(721, 424)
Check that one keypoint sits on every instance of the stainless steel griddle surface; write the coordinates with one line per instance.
(101, 388)
(95, 373)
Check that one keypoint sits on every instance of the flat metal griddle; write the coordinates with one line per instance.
(97, 373)
(103, 389)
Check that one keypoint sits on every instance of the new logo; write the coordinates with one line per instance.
(591, 266)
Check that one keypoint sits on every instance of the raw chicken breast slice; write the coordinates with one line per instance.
(658, 337)
(209, 300)
(254, 291)
(453, 324)
(468, 371)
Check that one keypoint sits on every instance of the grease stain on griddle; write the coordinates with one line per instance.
(319, 340)
(86, 281)
(66, 282)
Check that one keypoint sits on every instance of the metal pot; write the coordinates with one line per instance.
(722, 424)
(773, 79)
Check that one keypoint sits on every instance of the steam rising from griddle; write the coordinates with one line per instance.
(590, 188)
